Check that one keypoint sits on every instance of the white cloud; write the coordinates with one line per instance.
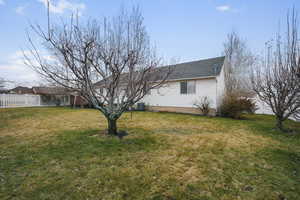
(14, 69)
(20, 10)
(2, 2)
(60, 6)
(223, 8)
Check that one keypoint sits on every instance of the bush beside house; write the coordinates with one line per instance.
(233, 106)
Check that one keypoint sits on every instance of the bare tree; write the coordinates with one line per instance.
(111, 64)
(237, 64)
(276, 80)
(2, 83)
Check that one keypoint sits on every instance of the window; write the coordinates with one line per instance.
(191, 87)
(183, 87)
(188, 87)
(66, 99)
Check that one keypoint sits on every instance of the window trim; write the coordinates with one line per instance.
(184, 87)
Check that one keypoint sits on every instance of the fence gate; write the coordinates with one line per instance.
(19, 100)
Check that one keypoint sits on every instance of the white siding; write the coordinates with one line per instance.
(262, 108)
(169, 95)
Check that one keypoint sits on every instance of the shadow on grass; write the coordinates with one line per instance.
(83, 141)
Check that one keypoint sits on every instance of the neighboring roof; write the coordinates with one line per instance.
(190, 70)
(21, 90)
(50, 90)
(196, 69)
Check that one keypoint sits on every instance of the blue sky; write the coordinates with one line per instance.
(184, 30)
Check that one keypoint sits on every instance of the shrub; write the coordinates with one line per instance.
(248, 105)
(203, 105)
(234, 106)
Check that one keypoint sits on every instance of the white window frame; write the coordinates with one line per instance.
(190, 87)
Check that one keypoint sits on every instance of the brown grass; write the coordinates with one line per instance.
(47, 153)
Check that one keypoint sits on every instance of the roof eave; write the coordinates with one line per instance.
(194, 78)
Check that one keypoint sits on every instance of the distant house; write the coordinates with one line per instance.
(41, 96)
(51, 96)
(78, 101)
(21, 90)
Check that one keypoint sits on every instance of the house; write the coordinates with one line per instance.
(78, 101)
(50, 96)
(21, 90)
(59, 96)
(53, 96)
(187, 83)
(40, 96)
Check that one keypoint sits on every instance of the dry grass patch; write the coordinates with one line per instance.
(54, 153)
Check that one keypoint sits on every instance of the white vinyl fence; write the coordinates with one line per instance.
(19, 100)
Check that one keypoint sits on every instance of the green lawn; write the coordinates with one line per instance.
(58, 153)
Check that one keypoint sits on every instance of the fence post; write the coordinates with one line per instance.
(5, 100)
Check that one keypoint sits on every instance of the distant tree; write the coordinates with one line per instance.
(116, 52)
(276, 80)
(238, 62)
(2, 83)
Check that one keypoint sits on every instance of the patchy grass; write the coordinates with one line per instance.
(56, 153)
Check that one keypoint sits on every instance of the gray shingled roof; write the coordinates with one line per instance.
(196, 69)
(190, 70)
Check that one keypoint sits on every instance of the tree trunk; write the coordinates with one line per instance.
(112, 127)
(279, 124)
